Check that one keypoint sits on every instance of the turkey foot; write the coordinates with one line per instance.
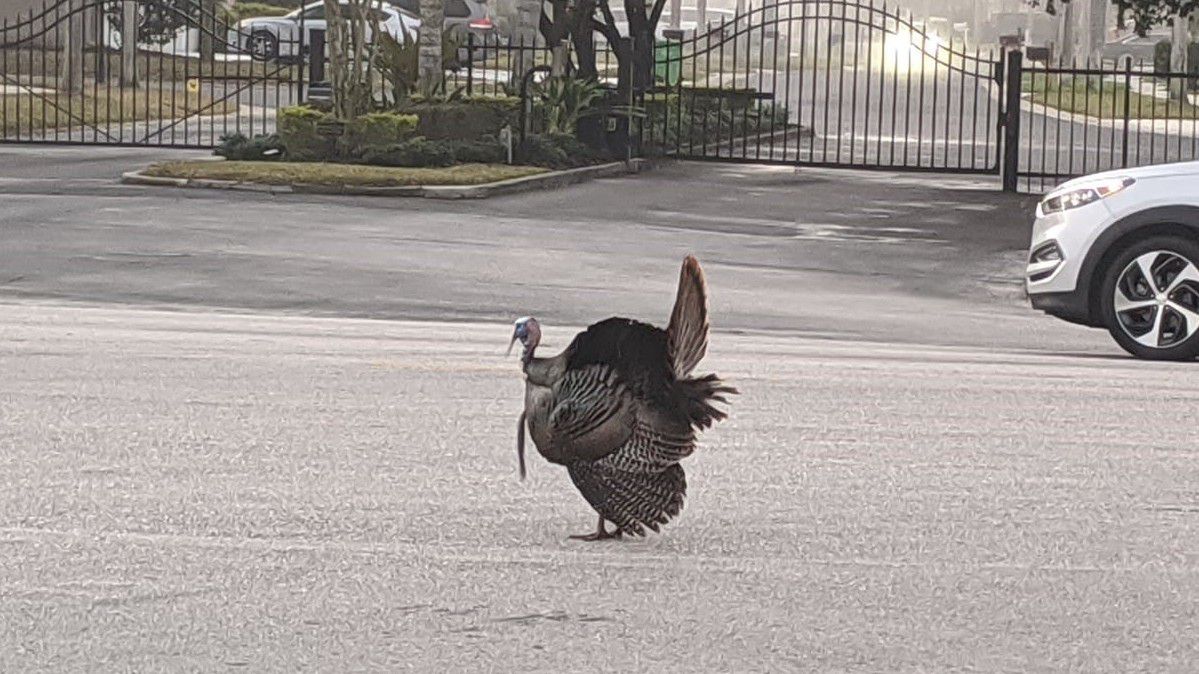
(601, 534)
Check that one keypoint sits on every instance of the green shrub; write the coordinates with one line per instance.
(414, 152)
(259, 148)
(247, 10)
(566, 99)
(485, 150)
(307, 134)
(464, 119)
(558, 151)
(374, 130)
(675, 121)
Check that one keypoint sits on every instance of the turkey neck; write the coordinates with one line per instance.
(545, 371)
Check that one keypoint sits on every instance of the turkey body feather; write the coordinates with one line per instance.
(619, 409)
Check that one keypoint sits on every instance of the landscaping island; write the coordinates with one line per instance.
(309, 173)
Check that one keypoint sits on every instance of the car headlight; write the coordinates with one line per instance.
(1084, 195)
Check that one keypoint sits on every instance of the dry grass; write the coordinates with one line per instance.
(98, 106)
(42, 65)
(288, 173)
(1083, 95)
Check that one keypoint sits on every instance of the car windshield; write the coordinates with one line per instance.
(457, 9)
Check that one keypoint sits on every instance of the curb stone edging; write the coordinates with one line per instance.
(540, 181)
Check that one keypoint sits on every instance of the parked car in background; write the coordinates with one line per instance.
(464, 18)
(1140, 49)
(279, 37)
(1120, 250)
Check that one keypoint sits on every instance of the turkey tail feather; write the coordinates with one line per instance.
(697, 395)
(633, 502)
(687, 334)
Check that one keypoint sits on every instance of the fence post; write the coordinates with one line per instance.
(1011, 120)
(1127, 102)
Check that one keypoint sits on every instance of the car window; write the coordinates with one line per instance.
(457, 9)
(317, 12)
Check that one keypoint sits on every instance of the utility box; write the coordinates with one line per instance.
(668, 62)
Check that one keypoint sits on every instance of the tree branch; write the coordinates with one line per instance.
(608, 16)
(656, 15)
(610, 33)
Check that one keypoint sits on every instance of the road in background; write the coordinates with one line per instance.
(856, 255)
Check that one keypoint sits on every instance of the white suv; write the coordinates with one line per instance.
(1118, 250)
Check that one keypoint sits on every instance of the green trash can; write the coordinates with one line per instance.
(668, 62)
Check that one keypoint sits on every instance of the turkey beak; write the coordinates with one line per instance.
(510, 345)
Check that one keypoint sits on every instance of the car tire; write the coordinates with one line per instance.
(1150, 298)
(264, 45)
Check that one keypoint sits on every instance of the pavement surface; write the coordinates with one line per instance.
(785, 250)
(276, 433)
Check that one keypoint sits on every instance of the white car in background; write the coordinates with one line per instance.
(1119, 250)
(279, 36)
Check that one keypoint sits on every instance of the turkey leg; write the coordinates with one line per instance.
(601, 533)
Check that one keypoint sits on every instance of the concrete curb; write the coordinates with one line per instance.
(541, 181)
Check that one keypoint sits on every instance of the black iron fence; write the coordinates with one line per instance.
(839, 83)
(1077, 120)
(836, 83)
(73, 71)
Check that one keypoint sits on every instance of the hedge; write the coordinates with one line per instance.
(466, 119)
(374, 130)
(301, 131)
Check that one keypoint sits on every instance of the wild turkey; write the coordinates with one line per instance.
(620, 409)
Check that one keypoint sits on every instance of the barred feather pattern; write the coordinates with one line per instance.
(589, 398)
(650, 450)
(634, 502)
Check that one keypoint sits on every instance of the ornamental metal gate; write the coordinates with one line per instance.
(171, 73)
(841, 83)
(1090, 117)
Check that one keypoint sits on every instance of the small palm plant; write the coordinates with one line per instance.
(399, 64)
(566, 100)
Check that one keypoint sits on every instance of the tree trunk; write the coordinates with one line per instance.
(1096, 30)
(70, 72)
(1067, 33)
(335, 37)
(524, 36)
(129, 43)
(1179, 39)
(207, 29)
(431, 68)
(584, 41)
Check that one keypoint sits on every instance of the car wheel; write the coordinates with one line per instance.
(1150, 298)
(264, 45)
